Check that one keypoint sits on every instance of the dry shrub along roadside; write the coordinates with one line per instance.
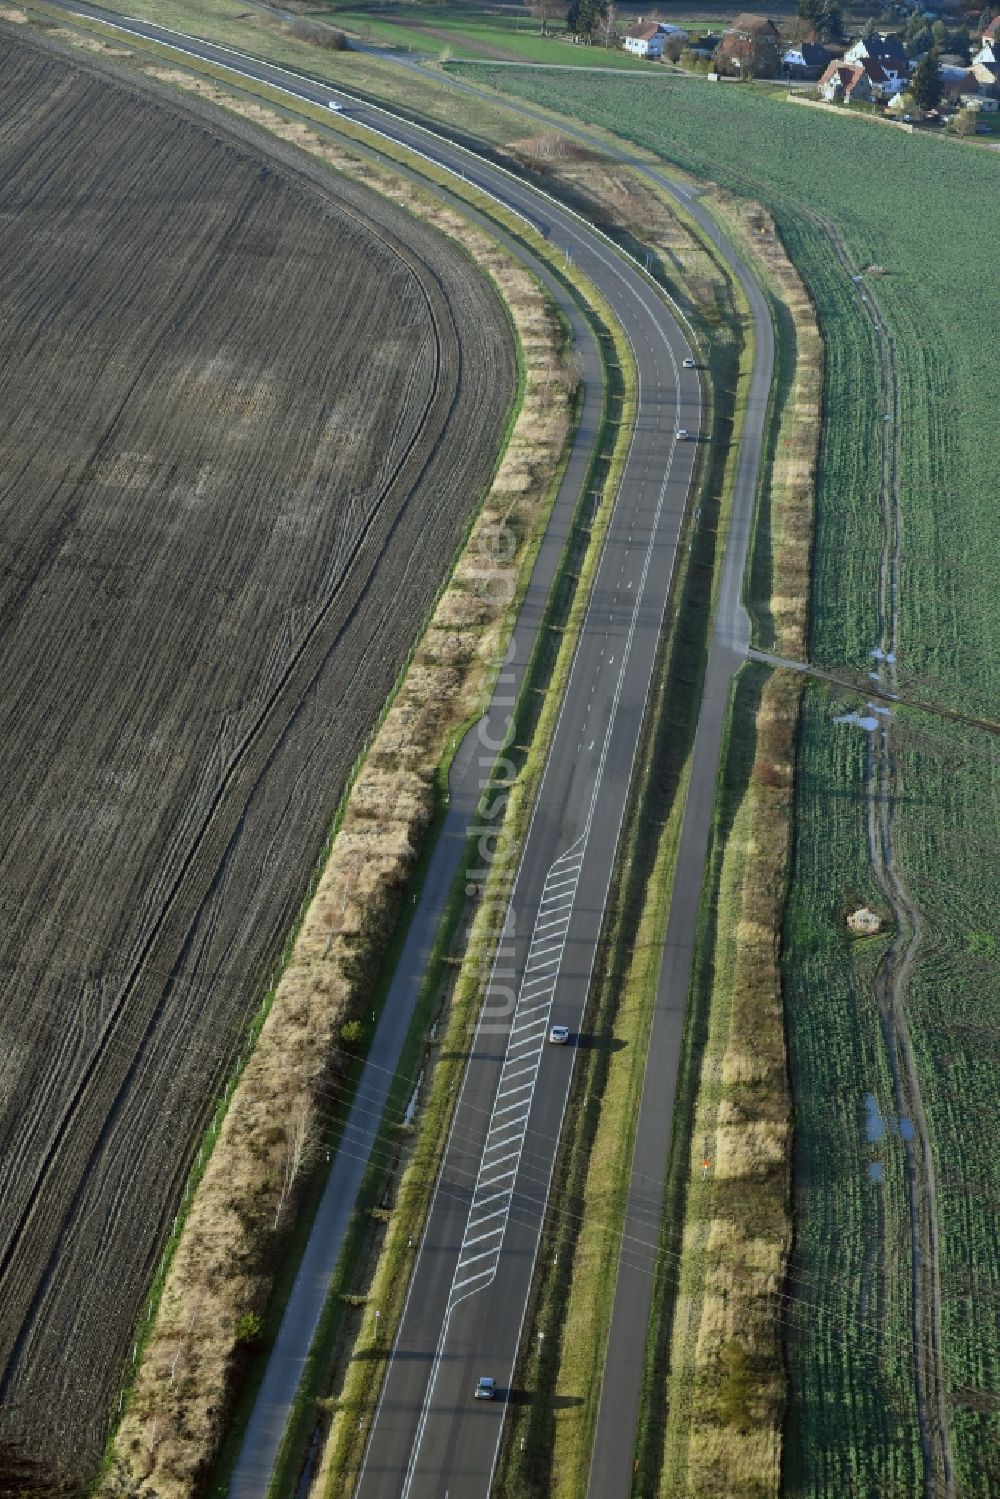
(726, 1391)
(221, 1271)
(779, 600)
(238, 393)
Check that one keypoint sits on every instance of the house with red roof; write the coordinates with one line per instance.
(843, 82)
(750, 47)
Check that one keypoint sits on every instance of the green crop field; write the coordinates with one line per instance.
(853, 1427)
(927, 212)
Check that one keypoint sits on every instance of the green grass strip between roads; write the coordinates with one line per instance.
(548, 1440)
(534, 723)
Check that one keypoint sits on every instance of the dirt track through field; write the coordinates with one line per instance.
(236, 460)
(883, 795)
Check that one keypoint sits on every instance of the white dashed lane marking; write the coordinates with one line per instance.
(491, 1199)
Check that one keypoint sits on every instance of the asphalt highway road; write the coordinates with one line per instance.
(621, 1379)
(469, 1292)
(468, 777)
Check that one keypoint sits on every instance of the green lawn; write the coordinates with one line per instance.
(465, 35)
(927, 210)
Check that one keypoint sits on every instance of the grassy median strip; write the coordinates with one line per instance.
(477, 920)
(715, 1380)
(549, 1437)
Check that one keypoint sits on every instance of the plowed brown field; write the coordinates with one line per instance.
(247, 409)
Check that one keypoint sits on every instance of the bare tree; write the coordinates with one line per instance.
(609, 24)
(299, 1146)
(799, 29)
(543, 11)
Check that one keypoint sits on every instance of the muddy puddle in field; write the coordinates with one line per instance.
(877, 1125)
(874, 1123)
(859, 720)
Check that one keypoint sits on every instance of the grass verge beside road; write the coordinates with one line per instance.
(214, 1289)
(714, 1396)
(381, 1286)
(548, 1441)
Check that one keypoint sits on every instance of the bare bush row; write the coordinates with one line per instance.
(249, 410)
(727, 1383)
(222, 1270)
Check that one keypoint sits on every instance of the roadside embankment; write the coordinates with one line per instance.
(213, 1305)
(727, 1231)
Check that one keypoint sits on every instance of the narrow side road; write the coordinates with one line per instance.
(469, 1292)
(467, 780)
(621, 1389)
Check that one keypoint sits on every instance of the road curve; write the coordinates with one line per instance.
(468, 777)
(621, 1379)
(612, 1459)
(470, 1287)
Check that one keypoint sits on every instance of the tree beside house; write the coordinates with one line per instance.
(926, 85)
(824, 17)
(750, 48)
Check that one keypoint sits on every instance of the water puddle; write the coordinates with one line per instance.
(876, 1171)
(874, 1123)
(877, 1124)
(861, 721)
(309, 1468)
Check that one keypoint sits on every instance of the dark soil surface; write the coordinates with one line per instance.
(248, 409)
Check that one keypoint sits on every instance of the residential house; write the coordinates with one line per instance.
(985, 68)
(982, 103)
(843, 82)
(886, 60)
(705, 46)
(957, 80)
(648, 38)
(882, 85)
(805, 60)
(750, 47)
(991, 33)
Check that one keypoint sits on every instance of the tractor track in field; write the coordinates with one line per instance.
(124, 1015)
(882, 785)
(297, 674)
